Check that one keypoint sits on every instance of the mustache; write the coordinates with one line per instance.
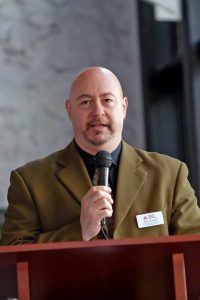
(96, 122)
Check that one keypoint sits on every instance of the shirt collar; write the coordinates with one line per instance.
(89, 159)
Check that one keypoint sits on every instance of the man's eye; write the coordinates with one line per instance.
(109, 100)
(85, 102)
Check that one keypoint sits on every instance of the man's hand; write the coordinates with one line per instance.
(95, 206)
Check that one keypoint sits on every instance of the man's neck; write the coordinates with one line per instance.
(90, 149)
(89, 158)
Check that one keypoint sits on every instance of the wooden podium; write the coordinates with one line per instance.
(160, 268)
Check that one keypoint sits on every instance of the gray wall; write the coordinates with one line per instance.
(44, 43)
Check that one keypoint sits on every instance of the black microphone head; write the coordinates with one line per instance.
(103, 159)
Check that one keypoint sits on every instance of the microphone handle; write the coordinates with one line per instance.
(103, 173)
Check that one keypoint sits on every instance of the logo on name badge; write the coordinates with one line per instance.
(150, 219)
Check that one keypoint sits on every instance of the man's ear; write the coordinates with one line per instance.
(68, 107)
(125, 105)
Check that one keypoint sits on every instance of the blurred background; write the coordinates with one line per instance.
(153, 46)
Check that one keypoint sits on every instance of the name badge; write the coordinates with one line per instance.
(150, 219)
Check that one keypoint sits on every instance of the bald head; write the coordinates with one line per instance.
(89, 75)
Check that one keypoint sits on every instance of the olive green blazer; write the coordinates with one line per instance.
(45, 197)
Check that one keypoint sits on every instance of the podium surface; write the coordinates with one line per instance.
(160, 268)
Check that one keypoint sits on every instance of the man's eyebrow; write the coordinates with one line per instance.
(89, 96)
(84, 96)
(107, 94)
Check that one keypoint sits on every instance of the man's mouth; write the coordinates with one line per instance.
(97, 125)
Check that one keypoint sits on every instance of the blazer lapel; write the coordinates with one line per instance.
(73, 173)
(130, 181)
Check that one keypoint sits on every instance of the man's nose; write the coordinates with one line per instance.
(98, 108)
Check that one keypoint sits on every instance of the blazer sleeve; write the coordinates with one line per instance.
(22, 222)
(185, 215)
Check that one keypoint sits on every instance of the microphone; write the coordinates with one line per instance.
(103, 161)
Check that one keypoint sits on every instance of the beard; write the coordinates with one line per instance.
(98, 137)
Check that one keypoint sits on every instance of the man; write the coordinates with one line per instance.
(53, 199)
